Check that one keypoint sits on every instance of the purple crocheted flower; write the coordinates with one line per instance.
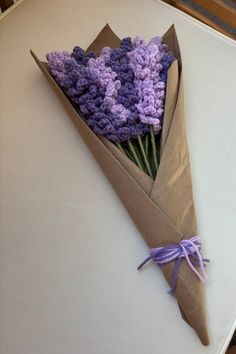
(56, 60)
(93, 89)
(145, 61)
(127, 94)
(81, 56)
(166, 62)
(56, 64)
(107, 79)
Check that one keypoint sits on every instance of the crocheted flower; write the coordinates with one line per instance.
(81, 56)
(166, 62)
(56, 64)
(127, 94)
(145, 61)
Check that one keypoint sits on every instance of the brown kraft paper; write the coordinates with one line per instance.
(163, 210)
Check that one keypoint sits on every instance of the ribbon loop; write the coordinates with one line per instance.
(188, 249)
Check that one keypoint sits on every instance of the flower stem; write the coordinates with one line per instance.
(145, 157)
(137, 149)
(129, 155)
(154, 150)
(134, 154)
(125, 151)
(120, 147)
(146, 143)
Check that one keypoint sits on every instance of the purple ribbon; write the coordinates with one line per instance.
(188, 249)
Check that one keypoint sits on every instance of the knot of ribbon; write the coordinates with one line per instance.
(188, 249)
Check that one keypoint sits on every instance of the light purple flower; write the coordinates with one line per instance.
(107, 78)
(145, 62)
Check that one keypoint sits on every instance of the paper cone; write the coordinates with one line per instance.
(163, 210)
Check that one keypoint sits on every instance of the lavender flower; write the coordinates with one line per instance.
(93, 89)
(166, 62)
(145, 62)
(127, 94)
(56, 64)
(81, 56)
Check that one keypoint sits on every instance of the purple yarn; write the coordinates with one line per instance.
(118, 61)
(77, 81)
(93, 89)
(56, 61)
(166, 62)
(56, 64)
(118, 122)
(81, 56)
(127, 94)
(107, 79)
(145, 63)
(188, 249)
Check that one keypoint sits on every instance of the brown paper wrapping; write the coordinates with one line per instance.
(163, 210)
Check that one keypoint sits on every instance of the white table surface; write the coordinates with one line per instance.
(68, 249)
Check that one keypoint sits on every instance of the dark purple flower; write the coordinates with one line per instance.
(127, 94)
(81, 56)
(166, 62)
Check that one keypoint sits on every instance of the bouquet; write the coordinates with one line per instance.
(126, 99)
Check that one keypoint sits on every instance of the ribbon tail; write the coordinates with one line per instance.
(202, 278)
(175, 276)
(144, 262)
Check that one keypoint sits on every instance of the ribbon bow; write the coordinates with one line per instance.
(188, 249)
